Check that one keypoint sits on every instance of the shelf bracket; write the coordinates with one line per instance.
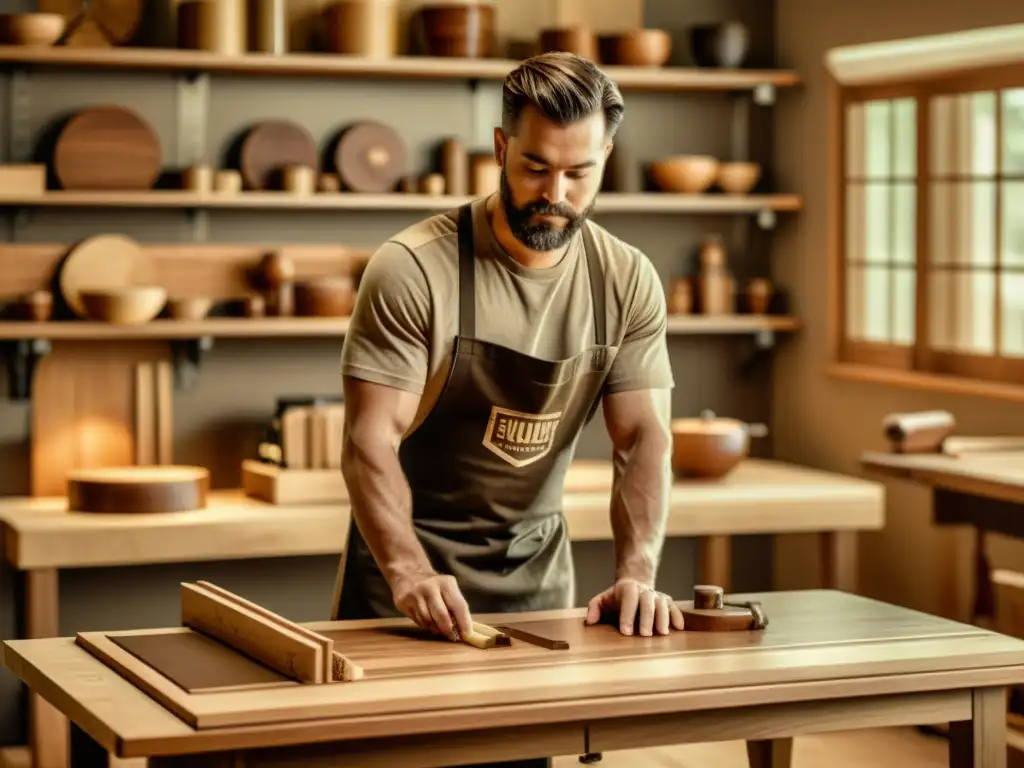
(22, 356)
(764, 343)
(186, 356)
(765, 95)
(767, 219)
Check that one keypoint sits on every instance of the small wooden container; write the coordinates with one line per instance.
(325, 297)
(299, 180)
(197, 178)
(227, 182)
(432, 184)
(680, 297)
(454, 162)
(485, 174)
(217, 26)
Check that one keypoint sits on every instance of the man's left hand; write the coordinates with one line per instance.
(658, 613)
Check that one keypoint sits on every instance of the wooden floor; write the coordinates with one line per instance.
(896, 747)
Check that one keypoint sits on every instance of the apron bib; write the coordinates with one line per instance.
(487, 467)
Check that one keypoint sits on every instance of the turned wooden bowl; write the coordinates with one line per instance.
(636, 48)
(129, 305)
(189, 307)
(325, 297)
(39, 29)
(689, 174)
(738, 178)
(709, 448)
(577, 40)
(464, 30)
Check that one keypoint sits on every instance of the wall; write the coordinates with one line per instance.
(826, 422)
(218, 423)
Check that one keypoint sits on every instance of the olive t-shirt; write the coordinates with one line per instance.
(406, 315)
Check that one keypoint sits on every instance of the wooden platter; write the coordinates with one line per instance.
(138, 490)
(107, 148)
(271, 146)
(371, 158)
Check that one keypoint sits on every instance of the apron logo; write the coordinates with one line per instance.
(520, 438)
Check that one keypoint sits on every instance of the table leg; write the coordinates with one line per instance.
(839, 560)
(48, 728)
(770, 753)
(716, 561)
(981, 741)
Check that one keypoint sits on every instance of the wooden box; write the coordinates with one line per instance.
(275, 485)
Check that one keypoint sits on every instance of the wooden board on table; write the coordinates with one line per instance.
(278, 485)
(408, 669)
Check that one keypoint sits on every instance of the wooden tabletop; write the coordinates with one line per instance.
(819, 645)
(998, 475)
(758, 497)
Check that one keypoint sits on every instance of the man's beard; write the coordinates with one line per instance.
(541, 236)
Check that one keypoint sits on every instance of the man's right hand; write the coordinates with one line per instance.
(435, 602)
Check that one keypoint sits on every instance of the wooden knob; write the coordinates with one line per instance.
(277, 270)
(707, 597)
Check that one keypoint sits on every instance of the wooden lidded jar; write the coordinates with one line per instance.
(680, 296)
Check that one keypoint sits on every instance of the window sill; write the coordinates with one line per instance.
(930, 382)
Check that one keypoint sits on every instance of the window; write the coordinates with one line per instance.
(929, 250)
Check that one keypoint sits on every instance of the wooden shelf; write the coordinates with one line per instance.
(608, 202)
(309, 327)
(664, 79)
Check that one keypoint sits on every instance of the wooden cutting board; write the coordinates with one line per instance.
(107, 148)
(271, 146)
(371, 157)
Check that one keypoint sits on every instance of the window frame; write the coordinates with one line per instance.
(856, 75)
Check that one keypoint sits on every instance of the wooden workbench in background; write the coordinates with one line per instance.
(759, 497)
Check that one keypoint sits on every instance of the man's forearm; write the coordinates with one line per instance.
(382, 507)
(639, 506)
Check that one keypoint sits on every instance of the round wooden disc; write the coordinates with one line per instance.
(101, 262)
(717, 620)
(371, 158)
(107, 148)
(271, 146)
(137, 490)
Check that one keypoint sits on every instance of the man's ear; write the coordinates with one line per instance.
(500, 142)
(608, 148)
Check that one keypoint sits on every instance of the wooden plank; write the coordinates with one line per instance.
(760, 496)
(607, 202)
(253, 634)
(333, 661)
(332, 327)
(411, 67)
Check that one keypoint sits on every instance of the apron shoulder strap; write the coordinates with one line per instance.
(596, 286)
(467, 273)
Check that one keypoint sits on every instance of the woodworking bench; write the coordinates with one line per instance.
(759, 497)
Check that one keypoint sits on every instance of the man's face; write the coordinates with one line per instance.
(550, 177)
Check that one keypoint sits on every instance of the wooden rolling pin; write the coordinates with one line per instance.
(918, 432)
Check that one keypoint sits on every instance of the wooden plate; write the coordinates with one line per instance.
(138, 490)
(105, 23)
(109, 148)
(271, 146)
(103, 261)
(371, 157)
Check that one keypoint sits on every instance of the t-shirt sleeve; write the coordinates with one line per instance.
(389, 331)
(642, 361)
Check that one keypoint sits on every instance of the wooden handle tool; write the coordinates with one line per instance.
(264, 636)
(485, 637)
(709, 611)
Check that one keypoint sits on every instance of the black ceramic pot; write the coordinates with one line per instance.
(720, 45)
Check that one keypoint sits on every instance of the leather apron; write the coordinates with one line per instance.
(487, 467)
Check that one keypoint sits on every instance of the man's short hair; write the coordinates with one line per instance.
(563, 87)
